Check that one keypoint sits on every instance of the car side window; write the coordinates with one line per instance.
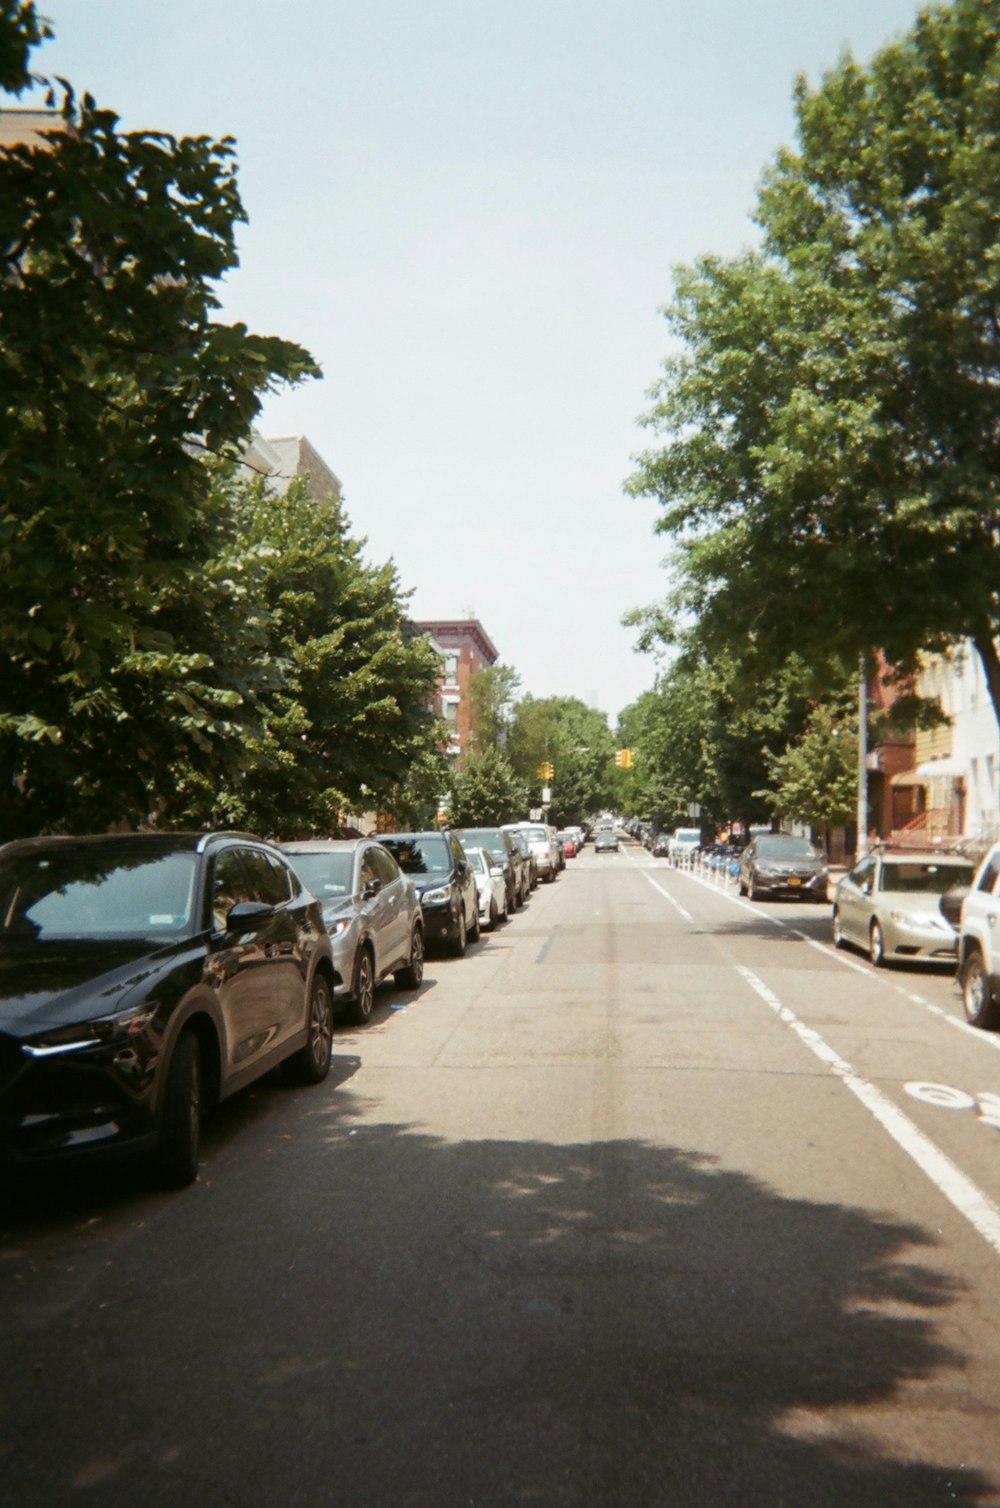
(268, 884)
(861, 873)
(368, 869)
(991, 872)
(384, 864)
(457, 851)
(230, 884)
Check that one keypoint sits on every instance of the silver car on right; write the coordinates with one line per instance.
(890, 905)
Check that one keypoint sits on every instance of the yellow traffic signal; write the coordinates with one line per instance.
(546, 770)
(623, 759)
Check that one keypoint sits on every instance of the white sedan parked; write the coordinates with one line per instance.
(491, 887)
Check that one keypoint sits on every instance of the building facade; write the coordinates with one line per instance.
(463, 647)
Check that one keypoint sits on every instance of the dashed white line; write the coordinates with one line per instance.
(960, 1191)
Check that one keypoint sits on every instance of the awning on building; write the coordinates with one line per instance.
(908, 777)
(947, 768)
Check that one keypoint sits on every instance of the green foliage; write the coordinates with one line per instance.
(176, 646)
(21, 29)
(350, 708)
(815, 779)
(700, 737)
(576, 739)
(492, 692)
(486, 791)
(830, 473)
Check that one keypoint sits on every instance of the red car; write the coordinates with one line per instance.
(567, 842)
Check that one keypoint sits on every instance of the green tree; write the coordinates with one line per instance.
(115, 375)
(815, 779)
(831, 472)
(349, 714)
(576, 740)
(486, 791)
(492, 694)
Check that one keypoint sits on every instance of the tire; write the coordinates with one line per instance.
(179, 1137)
(837, 929)
(494, 915)
(410, 977)
(458, 944)
(363, 989)
(980, 1004)
(311, 1064)
(473, 931)
(752, 890)
(876, 944)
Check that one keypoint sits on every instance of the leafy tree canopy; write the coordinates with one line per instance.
(577, 741)
(115, 374)
(486, 791)
(831, 471)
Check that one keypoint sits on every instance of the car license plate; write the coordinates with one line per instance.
(794, 880)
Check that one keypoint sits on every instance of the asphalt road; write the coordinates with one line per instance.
(653, 1199)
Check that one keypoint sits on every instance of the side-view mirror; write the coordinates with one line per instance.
(248, 916)
(372, 889)
(497, 869)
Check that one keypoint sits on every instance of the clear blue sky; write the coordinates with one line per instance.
(469, 213)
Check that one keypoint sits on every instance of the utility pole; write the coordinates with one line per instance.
(861, 847)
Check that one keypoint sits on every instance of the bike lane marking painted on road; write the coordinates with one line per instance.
(965, 1196)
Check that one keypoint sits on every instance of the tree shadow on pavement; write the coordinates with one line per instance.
(374, 1317)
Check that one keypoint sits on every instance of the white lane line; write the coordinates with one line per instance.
(985, 1039)
(960, 1191)
(668, 897)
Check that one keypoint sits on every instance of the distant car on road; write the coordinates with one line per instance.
(372, 913)
(606, 841)
(683, 844)
(890, 905)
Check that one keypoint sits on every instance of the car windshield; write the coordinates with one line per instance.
(95, 891)
(485, 838)
(687, 835)
(419, 855)
(326, 873)
(928, 878)
(785, 848)
(535, 834)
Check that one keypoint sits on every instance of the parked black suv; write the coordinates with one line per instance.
(437, 864)
(145, 976)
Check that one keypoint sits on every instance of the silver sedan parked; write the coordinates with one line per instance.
(890, 905)
(372, 913)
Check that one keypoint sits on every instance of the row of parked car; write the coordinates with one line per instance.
(898, 905)
(146, 976)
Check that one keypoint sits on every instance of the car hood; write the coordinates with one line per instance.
(61, 983)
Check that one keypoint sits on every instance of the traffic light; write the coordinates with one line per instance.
(546, 770)
(623, 759)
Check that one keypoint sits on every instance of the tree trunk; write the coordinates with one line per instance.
(987, 649)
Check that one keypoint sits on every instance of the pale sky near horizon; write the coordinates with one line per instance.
(469, 213)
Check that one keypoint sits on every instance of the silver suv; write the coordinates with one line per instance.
(979, 944)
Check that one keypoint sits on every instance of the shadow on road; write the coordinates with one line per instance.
(373, 1317)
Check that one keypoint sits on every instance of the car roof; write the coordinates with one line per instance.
(325, 845)
(166, 842)
(924, 856)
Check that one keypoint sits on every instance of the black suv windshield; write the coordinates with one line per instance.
(419, 855)
(95, 891)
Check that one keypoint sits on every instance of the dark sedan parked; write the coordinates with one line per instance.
(143, 977)
(445, 884)
(777, 864)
